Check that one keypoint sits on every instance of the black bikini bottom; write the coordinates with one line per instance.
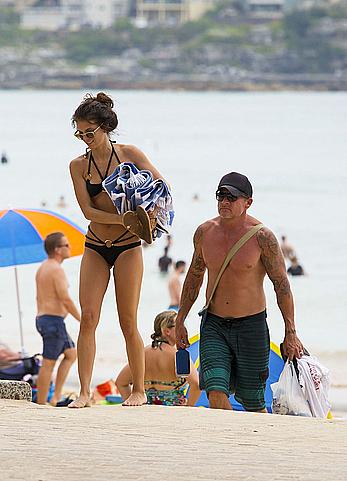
(111, 254)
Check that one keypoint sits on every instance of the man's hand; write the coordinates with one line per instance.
(292, 346)
(181, 336)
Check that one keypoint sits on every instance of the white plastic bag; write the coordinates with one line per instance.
(314, 379)
(288, 397)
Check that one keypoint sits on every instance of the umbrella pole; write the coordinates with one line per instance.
(19, 311)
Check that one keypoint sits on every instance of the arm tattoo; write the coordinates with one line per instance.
(195, 274)
(272, 259)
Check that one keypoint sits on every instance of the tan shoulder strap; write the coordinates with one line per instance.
(231, 254)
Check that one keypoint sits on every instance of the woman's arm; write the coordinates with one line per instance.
(124, 381)
(83, 199)
(194, 391)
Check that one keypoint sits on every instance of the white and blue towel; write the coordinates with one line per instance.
(129, 187)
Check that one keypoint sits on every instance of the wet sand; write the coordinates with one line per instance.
(106, 443)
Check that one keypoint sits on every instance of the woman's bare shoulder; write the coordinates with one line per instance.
(130, 153)
(164, 349)
(77, 164)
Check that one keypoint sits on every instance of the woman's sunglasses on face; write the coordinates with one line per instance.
(88, 135)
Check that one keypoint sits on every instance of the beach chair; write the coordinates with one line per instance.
(21, 369)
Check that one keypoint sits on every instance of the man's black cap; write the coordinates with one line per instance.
(237, 184)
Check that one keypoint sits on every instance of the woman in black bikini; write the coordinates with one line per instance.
(108, 243)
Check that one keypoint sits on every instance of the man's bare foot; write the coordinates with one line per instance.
(81, 402)
(136, 399)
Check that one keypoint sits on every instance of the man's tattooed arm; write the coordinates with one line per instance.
(275, 267)
(194, 278)
(272, 259)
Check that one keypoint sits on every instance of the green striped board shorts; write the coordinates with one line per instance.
(234, 357)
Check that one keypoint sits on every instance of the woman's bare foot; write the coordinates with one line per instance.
(136, 399)
(81, 402)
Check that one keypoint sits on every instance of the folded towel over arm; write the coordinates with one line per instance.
(129, 187)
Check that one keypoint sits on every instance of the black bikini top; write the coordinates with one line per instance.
(95, 189)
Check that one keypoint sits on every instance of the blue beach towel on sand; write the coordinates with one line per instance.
(129, 187)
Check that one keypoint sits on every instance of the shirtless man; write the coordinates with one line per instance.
(234, 342)
(53, 304)
(175, 286)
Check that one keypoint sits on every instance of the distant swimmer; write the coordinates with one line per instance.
(168, 241)
(175, 285)
(4, 159)
(295, 268)
(164, 262)
(287, 249)
(61, 202)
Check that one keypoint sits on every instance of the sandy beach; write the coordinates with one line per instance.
(39, 443)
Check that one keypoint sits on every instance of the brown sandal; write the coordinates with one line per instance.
(138, 223)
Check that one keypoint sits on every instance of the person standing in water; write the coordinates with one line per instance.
(165, 262)
(287, 249)
(175, 285)
(109, 244)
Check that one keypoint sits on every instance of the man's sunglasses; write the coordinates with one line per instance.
(220, 196)
(88, 135)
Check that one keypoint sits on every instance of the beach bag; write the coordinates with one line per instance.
(288, 397)
(314, 381)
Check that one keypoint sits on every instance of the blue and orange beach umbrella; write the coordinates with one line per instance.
(22, 232)
(276, 365)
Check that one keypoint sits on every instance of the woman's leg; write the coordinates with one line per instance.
(128, 273)
(94, 277)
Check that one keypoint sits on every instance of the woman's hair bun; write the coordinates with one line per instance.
(104, 99)
(97, 109)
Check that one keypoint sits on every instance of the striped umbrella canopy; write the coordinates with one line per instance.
(22, 232)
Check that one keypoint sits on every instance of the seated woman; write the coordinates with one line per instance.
(161, 383)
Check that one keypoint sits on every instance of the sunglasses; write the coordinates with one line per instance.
(220, 196)
(88, 135)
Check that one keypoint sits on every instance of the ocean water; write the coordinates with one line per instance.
(291, 145)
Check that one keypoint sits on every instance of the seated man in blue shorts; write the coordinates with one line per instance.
(234, 341)
(53, 304)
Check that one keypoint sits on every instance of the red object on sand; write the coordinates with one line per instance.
(105, 388)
